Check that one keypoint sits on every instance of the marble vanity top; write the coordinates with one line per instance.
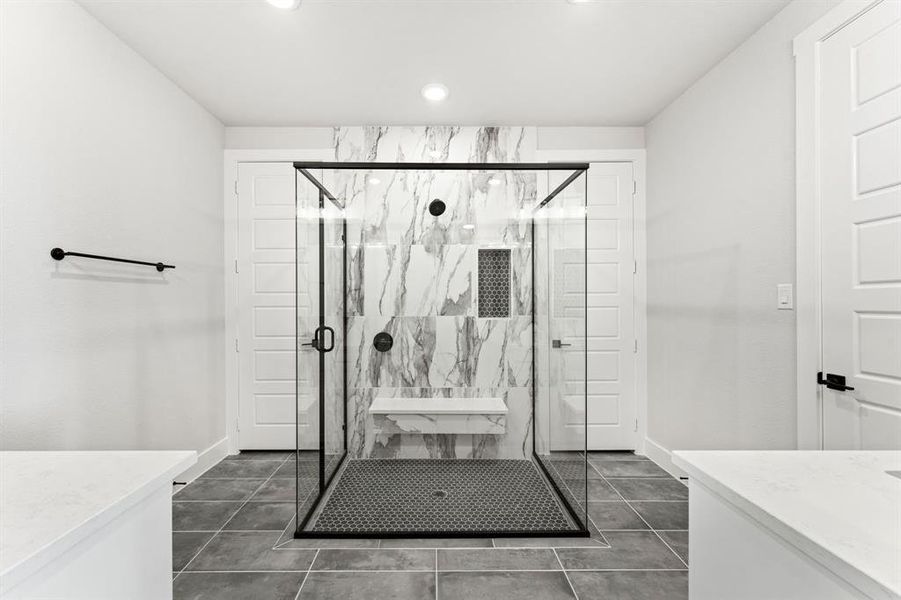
(843, 509)
(50, 501)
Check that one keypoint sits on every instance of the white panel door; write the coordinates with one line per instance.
(860, 187)
(266, 312)
(609, 330)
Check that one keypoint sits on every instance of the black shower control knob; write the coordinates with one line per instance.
(383, 341)
(437, 207)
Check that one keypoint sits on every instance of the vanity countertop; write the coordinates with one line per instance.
(50, 501)
(843, 509)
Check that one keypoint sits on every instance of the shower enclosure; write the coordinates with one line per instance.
(441, 314)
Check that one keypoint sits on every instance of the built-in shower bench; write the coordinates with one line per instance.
(480, 415)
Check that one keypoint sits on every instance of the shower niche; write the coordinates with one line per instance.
(427, 290)
(494, 282)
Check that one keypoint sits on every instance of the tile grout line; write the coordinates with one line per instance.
(430, 570)
(654, 501)
(227, 521)
(565, 574)
(599, 570)
(585, 547)
(231, 478)
(665, 543)
(643, 520)
(230, 531)
(436, 573)
(307, 574)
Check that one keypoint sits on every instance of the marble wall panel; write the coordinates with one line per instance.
(414, 275)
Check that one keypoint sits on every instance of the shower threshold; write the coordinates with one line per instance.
(421, 498)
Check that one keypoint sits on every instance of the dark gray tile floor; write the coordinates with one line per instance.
(233, 540)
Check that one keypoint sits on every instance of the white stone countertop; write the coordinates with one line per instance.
(840, 508)
(50, 501)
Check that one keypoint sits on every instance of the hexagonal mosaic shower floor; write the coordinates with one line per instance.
(375, 497)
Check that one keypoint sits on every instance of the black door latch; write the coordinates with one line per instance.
(834, 382)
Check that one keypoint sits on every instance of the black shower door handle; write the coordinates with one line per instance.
(321, 337)
(318, 341)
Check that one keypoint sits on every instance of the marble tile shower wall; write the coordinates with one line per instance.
(414, 276)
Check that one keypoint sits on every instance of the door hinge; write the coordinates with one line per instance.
(634, 267)
(635, 346)
(236, 187)
(236, 345)
(238, 425)
(636, 425)
(236, 265)
(634, 187)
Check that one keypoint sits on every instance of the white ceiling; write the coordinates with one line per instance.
(506, 62)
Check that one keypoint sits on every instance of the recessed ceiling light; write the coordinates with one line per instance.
(374, 181)
(285, 4)
(435, 92)
(494, 181)
(469, 226)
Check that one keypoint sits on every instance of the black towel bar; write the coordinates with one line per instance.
(59, 254)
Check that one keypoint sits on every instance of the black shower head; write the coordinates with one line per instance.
(437, 207)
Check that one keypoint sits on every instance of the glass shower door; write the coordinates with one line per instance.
(333, 304)
(560, 242)
(321, 327)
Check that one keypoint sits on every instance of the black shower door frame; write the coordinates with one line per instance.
(577, 170)
(324, 479)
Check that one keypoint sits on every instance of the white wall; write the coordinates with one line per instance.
(279, 138)
(721, 230)
(591, 138)
(103, 154)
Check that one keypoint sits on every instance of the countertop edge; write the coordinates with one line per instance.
(18, 572)
(840, 567)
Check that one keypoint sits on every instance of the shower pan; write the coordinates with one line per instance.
(441, 349)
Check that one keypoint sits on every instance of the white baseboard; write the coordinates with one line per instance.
(662, 457)
(205, 460)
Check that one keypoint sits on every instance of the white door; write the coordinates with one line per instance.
(609, 331)
(860, 187)
(266, 311)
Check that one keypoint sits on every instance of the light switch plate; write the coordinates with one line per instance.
(785, 298)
